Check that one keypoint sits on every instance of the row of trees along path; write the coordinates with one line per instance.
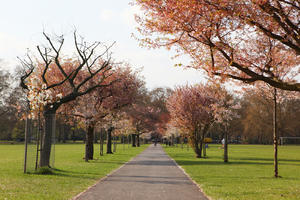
(89, 90)
(100, 87)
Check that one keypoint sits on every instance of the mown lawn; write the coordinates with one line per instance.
(248, 175)
(71, 175)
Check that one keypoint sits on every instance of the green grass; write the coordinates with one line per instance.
(248, 175)
(71, 175)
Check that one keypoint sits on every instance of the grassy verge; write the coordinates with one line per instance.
(248, 175)
(71, 175)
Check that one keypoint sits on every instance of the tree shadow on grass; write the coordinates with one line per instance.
(265, 159)
(74, 174)
(209, 162)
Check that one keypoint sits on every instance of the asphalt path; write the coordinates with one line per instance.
(152, 175)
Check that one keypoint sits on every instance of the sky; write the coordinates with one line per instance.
(22, 23)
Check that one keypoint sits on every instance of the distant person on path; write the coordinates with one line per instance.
(155, 141)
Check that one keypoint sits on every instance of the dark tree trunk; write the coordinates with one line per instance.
(64, 133)
(89, 143)
(172, 139)
(202, 145)
(49, 131)
(138, 140)
(226, 145)
(133, 140)
(197, 149)
(196, 143)
(204, 149)
(200, 148)
(73, 135)
(102, 132)
(27, 139)
(275, 134)
(108, 150)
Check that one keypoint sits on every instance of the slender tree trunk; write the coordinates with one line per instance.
(133, 140)
(226, 145)
(49, 116)
(197, 149)
(102, 132)
(89, 143)
(108, 149)
(27, 134)
(199, 154)
(38, 138)
(73, 135)
(64, 133)
(138, 140)
(275, 134)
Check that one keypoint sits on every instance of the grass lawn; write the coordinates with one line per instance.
(248, 175)
(72, 174)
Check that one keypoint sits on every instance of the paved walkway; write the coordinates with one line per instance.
(151, 175)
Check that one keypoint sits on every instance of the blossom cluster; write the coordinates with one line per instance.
(39, 95)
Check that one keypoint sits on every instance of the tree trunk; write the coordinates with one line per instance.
(73, 135)
(196, 143)
(64, 133)
(202, 145)
(172, 139)
(199, 155)
(89, 143)
(95, 137)
(138, 139)
(226, 145)
(275, 135)
(133, 140)
(49, 133)
(38, 141)
(27, 136)
(204, 149)
(108, 149)
(102, 132)
(197, 149)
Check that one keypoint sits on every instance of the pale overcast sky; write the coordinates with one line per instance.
(22, 23)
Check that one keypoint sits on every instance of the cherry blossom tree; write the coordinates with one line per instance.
(192, 110)
(242, 40)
